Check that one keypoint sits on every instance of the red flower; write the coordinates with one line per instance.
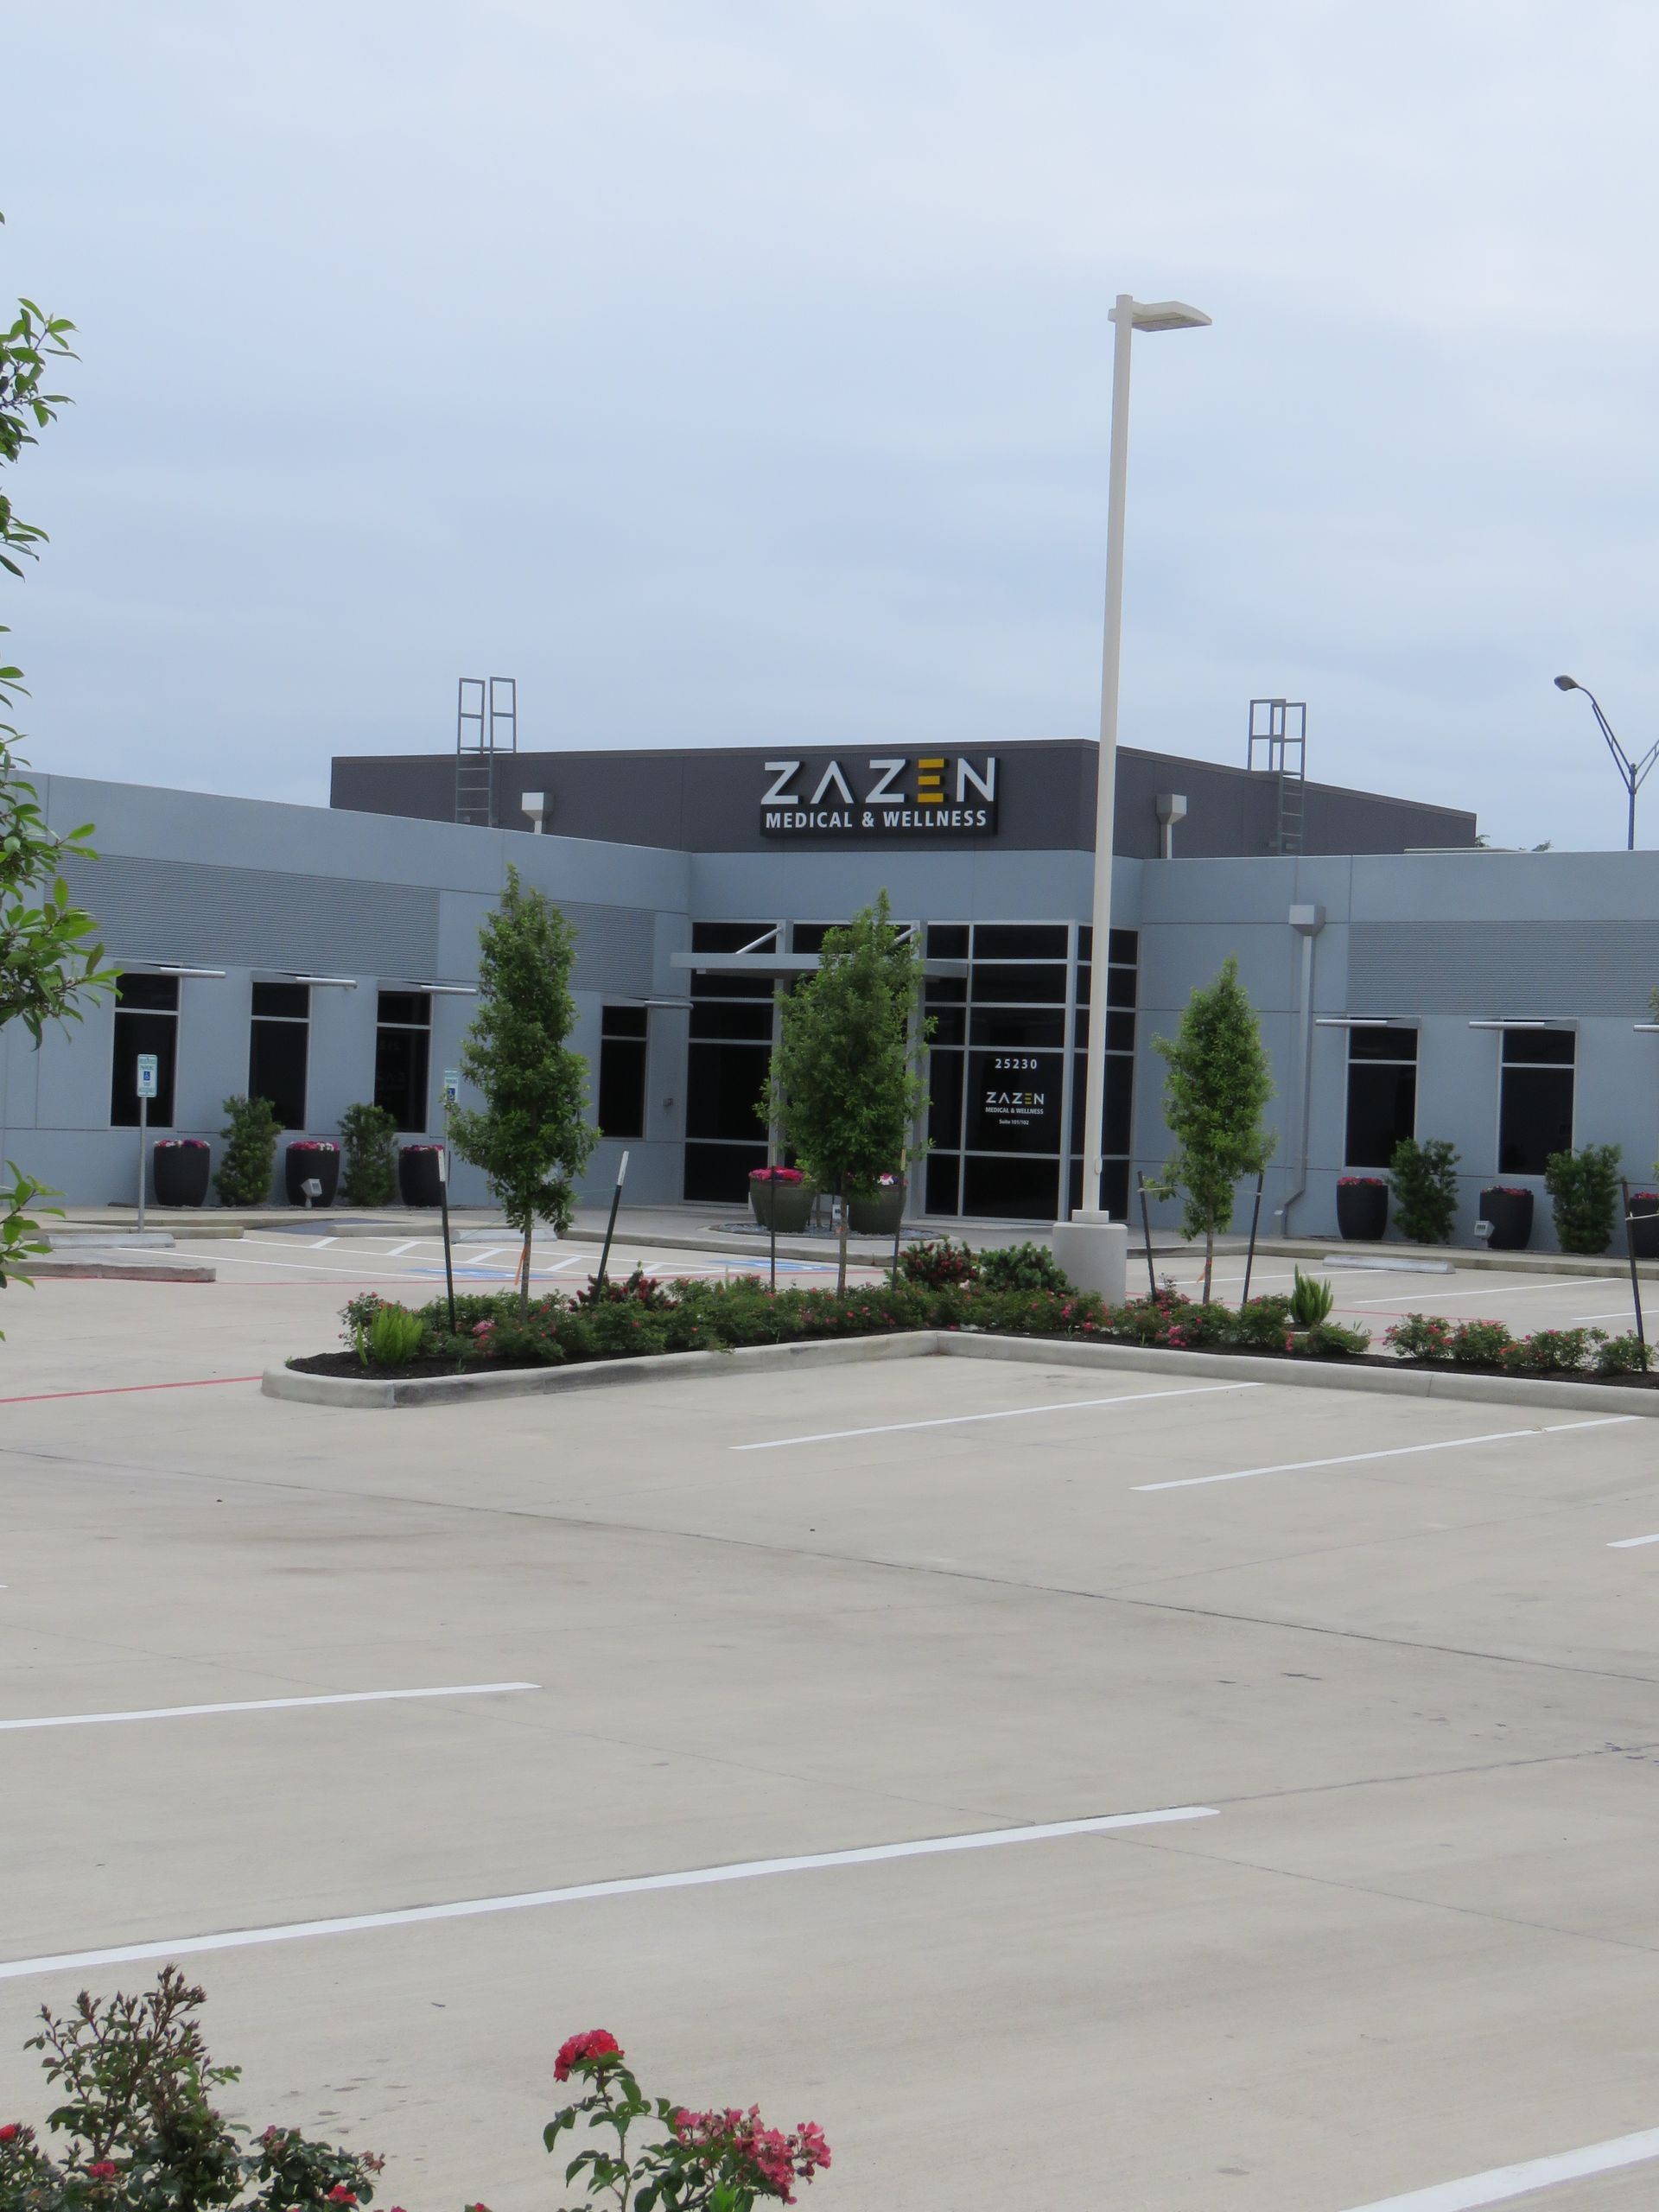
(594, 2045)
(340, 2195)
(9, 2132)
(101, 2170)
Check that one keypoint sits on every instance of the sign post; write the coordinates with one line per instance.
(610, 1226)
(149, 1083)
(451, 1092)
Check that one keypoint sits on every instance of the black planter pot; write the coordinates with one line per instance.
(1644, 1225)
(180, 1170)
(311, 1163)
(418, 1181)
(1362, 1211)
(1511, 1215)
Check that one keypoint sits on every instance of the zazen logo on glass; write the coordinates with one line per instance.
(928, 794)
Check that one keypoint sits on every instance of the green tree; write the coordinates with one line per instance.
(249, 1160)
(530, 1137)
(49, 957)
(1214, 1094)
(370, 1135)
(1424, 1180)
(845, 1087)
(1584, 1185)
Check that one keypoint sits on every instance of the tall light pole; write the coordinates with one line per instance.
(1631, 773)
(1129, 315)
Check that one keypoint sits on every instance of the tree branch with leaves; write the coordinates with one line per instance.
(50, 959)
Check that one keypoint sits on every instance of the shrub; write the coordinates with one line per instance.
(1551, 1352)
(369, 1173)
(1021, 1267)
(249, 1160)
(1424, 1180)
(393, 1338)
(1584, 1188)
(1337, 1340)
(1420, 1336)
(1311, 1300)
(937, 1264)
(132, 2083)
(1625, 1355)
(1262, 1322)
(1480, 1344)
(635, 1289)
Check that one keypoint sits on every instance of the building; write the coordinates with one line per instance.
(328, 955)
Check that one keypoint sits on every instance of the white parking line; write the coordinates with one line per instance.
(318, 1243)
(693, 1878)
(265, 1705)
(1499, 2183)
(1631, 1543)
(1394, 1451)
(1564, 1284)
(306, 1268)
(397, 1250)
(1012, 1413)
(1615, 1314)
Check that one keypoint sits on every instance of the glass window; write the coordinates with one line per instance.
(731, 937)
(944, 1182)
(1381, 1094)
(1037, 1029)
(713, 1017)
(1124, 947)
(1534, 1114)
(1011, 1190)
(277, 1049)
(146, 1021)
(724, 1086)
(949, 1025)
(718, 1174)
(1014, 1102)
(1020, 983)
(723, 984)
(1019, 941)
(946, 991)
(947, 940)
(622, 1049)
(1120, 1031)
(944, 1080)
(808, 936)
(403, 1056)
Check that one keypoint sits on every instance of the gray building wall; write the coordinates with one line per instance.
(1443, 938)
(257, 888)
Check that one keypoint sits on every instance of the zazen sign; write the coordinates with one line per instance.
(890, 795)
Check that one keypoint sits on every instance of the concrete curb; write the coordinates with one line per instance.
(142, 1268)
(1453, 1383)
(340, 1390)
(370, 1396)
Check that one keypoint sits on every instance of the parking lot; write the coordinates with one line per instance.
(668, 1709)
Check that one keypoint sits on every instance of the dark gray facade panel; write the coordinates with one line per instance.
(711, 801)
(1504, 968)
(191, 911)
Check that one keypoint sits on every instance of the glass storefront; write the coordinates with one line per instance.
(1008, 1095)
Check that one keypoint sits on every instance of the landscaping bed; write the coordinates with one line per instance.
(939, 1288)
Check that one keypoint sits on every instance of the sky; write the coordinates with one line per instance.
(736, 373)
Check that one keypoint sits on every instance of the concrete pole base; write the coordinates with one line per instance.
(1094, 1251)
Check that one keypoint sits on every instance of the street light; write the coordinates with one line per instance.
(1631, 773)
(1129, 315)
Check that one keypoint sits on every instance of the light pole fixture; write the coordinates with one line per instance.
(1631, 773)
(1129, 315)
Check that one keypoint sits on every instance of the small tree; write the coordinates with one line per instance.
(1584, 1185)
(369, 1136)
(1424, 1180)
(249, 1160)
(1214, 1094)
(844, 1087)
(530, 1137)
